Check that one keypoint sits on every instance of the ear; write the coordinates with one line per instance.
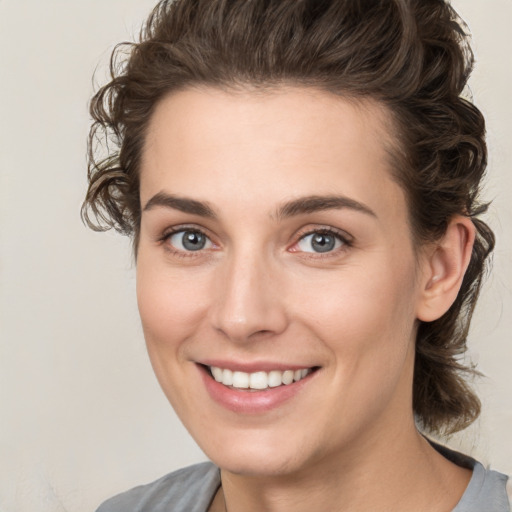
(444, 266)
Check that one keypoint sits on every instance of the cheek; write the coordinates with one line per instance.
(368, 327)
(366, 320)
(170, 305)
(357, 302)
(170, 310)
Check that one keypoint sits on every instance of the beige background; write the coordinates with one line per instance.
(81, 415)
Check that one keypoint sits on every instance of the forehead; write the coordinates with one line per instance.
(263, 145)
(296, 114)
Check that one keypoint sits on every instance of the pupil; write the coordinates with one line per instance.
(323, 243)
(193, 241)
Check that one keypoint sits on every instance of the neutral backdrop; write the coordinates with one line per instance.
(81, 414)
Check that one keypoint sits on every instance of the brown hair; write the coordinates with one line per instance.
(410, 55)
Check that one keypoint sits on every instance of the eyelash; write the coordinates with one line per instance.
(346, 242)
(339, 235)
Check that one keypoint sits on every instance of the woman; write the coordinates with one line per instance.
(301, 180)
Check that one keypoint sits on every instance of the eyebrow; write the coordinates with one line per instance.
(183, 204)
(312, 204)
(295, 207)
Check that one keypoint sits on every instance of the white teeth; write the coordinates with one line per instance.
(217, 373)
(288, 377)
(257, 380)
(275, 378)
(240, 380)
(227, 377)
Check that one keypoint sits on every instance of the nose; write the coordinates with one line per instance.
(248, 302)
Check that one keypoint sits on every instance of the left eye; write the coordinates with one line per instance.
(189, 240)
(320, 242)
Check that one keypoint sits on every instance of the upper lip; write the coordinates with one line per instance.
(252, 367)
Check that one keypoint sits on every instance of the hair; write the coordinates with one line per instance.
(412, 56)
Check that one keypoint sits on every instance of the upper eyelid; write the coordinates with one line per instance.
(300, 233)
(325, 229)
(184, 227)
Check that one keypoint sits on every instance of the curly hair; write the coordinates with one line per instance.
(412, 56)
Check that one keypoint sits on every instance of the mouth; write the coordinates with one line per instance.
(261, 388)
(260, 380)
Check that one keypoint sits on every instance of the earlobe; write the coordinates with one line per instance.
(444, 267)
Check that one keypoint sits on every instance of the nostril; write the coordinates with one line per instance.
(261, 333)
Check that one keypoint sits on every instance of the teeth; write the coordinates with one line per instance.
(257, 380)
(288, 377)
(217, 373)
(227, 377)
(240, 379)
(275, 378)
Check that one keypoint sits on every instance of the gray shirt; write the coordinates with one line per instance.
(192, 489)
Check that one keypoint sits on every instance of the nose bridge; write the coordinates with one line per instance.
(247, 301)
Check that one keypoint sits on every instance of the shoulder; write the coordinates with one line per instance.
(189, 489)
(487, 490)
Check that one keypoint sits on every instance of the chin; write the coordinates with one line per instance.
(256, 465)
(258, 455)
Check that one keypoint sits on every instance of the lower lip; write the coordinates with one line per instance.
(251, 402)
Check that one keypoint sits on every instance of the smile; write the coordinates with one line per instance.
(257, 380)
(258, 390)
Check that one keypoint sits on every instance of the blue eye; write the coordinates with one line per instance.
(320, 242)
(189, 240)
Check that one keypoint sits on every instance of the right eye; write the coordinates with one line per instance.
(189, 240)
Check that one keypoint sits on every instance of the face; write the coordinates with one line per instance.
(276, 276)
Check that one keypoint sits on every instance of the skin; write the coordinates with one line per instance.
(258, 292)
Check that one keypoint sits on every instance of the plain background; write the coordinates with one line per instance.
(81, 414)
